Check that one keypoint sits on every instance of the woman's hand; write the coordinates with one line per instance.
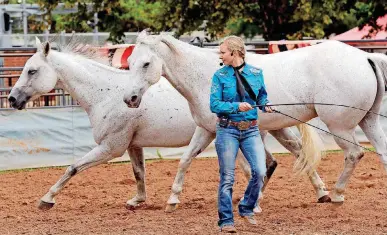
(244, 106)
(269, 109)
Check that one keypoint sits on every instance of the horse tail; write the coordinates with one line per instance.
(311, 151)
(378, 63)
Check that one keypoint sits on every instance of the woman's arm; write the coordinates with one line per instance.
(262, 94)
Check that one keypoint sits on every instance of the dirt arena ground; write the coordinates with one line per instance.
(93, 202)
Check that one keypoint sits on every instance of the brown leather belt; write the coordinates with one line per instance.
(243, 125)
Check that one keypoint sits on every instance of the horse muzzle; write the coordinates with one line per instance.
(18, 101)
(132, 101)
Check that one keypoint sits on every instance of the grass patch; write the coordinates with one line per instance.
(31, 169)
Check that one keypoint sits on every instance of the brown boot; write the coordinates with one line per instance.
(228, 229)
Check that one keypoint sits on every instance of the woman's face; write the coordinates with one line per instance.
(225, 54)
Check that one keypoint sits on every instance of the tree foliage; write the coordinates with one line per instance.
(114, 16)
(274, 19)
(368, 12)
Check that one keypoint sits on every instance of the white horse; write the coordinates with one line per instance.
(306, 153)
(99, 90)
(331, 72)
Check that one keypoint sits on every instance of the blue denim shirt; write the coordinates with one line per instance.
(224, 99)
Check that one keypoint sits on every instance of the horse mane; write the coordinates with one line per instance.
(78, 47)
(154, 40)
(166, 40)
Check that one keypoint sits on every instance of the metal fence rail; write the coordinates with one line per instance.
(57, 98)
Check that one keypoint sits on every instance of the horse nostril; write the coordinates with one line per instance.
(11, 99)
(134, 98)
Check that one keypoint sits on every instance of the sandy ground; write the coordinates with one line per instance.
(94, 201)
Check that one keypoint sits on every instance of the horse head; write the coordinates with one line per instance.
(37, 78)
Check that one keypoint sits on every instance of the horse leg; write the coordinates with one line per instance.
(352, 154)
(291, 142)
(244, 165)
(375, 134)
(271, 163)
(96, 156)
(200, 140)
(136, 155)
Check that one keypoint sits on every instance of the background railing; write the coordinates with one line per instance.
(58, 97)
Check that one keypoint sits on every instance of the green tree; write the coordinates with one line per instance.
(114, 16)
(322, 18)
(274, 19)
(368, 12)
(319, 18)
(188, 15)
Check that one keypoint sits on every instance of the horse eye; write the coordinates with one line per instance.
(32, 71)
(146, 65)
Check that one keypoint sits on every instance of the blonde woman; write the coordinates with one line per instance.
(235, 88)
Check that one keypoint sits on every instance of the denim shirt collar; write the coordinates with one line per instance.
(246, 70)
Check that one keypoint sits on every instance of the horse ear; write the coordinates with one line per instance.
(39, 45)
(143, 34)
(46, 48)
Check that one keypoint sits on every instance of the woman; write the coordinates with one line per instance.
(235, 88)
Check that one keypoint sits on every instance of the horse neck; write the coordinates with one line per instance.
(191, 71)
(75, 76)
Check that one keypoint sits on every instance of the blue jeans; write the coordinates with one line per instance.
(228, 141)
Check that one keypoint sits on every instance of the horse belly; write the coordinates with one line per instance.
(166, 121)
(203, 116)
(173, 136)
(170, 128)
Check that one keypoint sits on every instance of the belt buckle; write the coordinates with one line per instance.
(243, 125)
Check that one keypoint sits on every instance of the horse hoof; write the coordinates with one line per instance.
(257, 210)
(324, 199)
(45, 205)
(171, 208)
(133, 206)
(130, 207)
(338, 202)
(338, 199)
